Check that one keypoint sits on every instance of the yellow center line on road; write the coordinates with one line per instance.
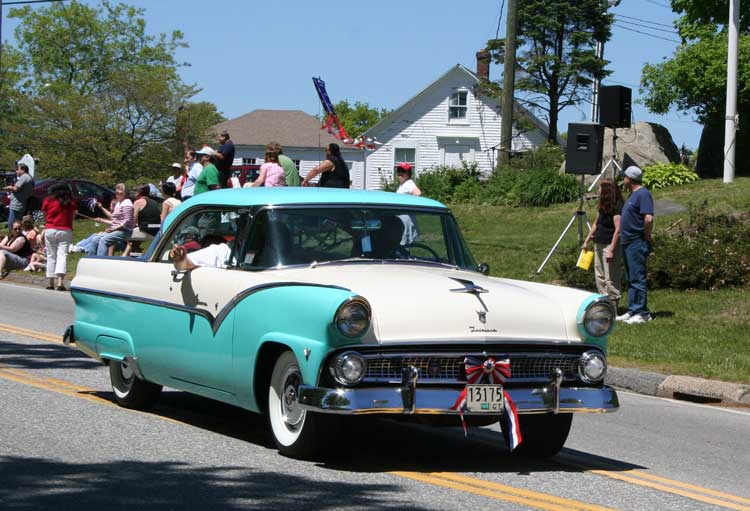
(447, 480)
(500, 491)
(44, 336)
(640, 478)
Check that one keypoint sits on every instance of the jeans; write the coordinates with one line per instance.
(13, 215)
(57, 242)
(99, 243)
(636, 253)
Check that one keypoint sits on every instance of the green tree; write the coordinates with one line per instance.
(694, 80)
(99, 97)
(359, 117)
(556, 58)
(195, 126)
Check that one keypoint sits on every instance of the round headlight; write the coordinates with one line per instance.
(349, 368)
(353, 317)
(598, 319)
(593, 367)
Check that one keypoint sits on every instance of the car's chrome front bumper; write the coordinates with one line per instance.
(426, 400)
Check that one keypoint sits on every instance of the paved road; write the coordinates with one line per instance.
(64, 445)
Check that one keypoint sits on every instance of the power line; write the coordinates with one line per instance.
(499, 19)
(648, 34)
(20, 2)
(659, 4)
(645, 21)
(672, 30)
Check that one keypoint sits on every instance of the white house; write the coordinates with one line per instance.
(298, 133)
(446, 123)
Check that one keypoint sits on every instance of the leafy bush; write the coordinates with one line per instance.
(442, 182)
(662, 175)
(388, 185)
(571, 275)
(709, 251)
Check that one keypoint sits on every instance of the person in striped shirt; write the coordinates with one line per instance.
(120, 221)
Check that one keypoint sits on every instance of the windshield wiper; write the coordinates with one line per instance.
(315, 264)
(423, 261)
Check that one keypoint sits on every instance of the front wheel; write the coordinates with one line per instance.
(296, 432)
(129, 390)
(542, 435)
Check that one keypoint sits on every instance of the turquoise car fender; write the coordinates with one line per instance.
(585, 336)
(103, 343)
(294, 317)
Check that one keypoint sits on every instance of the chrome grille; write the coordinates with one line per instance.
(450, 369)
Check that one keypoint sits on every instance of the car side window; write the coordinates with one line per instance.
(202, 229)
(88, 189)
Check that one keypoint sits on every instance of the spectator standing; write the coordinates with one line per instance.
(271, 173)
(224, 158)
(407, 186)
(146, 213)
(19, 193)
(177, 178)
(636, 224)
(209, 178)
(59, 210)
(170, 201)
(606, 235)
(15, 250)
(291, 173)
(334, 171)
(121, 223)
(193, 171)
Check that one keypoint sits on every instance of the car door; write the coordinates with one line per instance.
(191, 341)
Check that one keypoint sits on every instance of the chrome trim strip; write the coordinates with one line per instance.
(214, 321)
(380, 400)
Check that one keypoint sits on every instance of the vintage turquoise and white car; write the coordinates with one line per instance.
(312, 305)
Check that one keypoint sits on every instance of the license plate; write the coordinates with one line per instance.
(484, 398)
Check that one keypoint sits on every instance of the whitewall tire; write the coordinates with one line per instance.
(129, 390)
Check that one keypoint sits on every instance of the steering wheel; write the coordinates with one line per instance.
(435, 256)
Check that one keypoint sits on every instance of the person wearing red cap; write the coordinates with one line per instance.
(407, 185)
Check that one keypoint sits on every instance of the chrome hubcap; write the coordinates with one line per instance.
(291, 412)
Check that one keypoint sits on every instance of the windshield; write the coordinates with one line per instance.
(284, 237)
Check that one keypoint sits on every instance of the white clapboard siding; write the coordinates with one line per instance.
(423, 124)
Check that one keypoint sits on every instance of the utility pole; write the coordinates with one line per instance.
(509, 81)
(730, 122)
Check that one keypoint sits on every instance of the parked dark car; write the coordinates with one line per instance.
(81, 190)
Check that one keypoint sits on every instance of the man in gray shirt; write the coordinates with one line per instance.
(19, 193)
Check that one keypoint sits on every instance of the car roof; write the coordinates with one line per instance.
(276, 196)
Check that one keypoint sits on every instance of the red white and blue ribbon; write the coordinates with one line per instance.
(493, 372)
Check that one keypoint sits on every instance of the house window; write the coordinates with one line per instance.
(458, 106)
(405, 155)
(248, 161)
(296, 164)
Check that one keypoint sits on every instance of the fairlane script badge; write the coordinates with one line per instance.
(474, 329)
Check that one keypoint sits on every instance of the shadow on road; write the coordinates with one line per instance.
(44, 356)
(36, 483)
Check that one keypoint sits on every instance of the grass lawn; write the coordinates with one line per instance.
(698, 333)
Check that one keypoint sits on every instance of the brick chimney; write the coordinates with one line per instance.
(483, 64)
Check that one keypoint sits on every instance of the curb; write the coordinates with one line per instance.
(686, 388)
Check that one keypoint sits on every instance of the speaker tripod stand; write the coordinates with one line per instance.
(580, 213)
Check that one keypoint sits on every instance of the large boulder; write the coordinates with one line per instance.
(645, 143)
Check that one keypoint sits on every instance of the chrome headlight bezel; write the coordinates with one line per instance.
(338, 367)
(597, 312)
(353, 317)
(585, 362)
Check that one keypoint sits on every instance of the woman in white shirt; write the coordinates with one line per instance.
(403, 171)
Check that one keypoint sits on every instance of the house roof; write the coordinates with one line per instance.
(290, 128)
(388, 119)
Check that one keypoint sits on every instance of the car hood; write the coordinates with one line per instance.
(422, 303)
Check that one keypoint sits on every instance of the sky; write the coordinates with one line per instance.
(248, 54)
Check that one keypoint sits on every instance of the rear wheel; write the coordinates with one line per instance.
(296, 432)
(129, 390)
(542, 435)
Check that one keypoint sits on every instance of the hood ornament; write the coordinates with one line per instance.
(469, 287)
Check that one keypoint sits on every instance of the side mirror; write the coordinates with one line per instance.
(483, 268)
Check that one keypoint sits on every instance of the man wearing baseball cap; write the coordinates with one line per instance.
(403, 171)
(209, 177)
(636, 224)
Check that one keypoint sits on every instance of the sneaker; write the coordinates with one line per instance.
(75, 249)
(28, 268)
(624, 317)
(639, 318)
